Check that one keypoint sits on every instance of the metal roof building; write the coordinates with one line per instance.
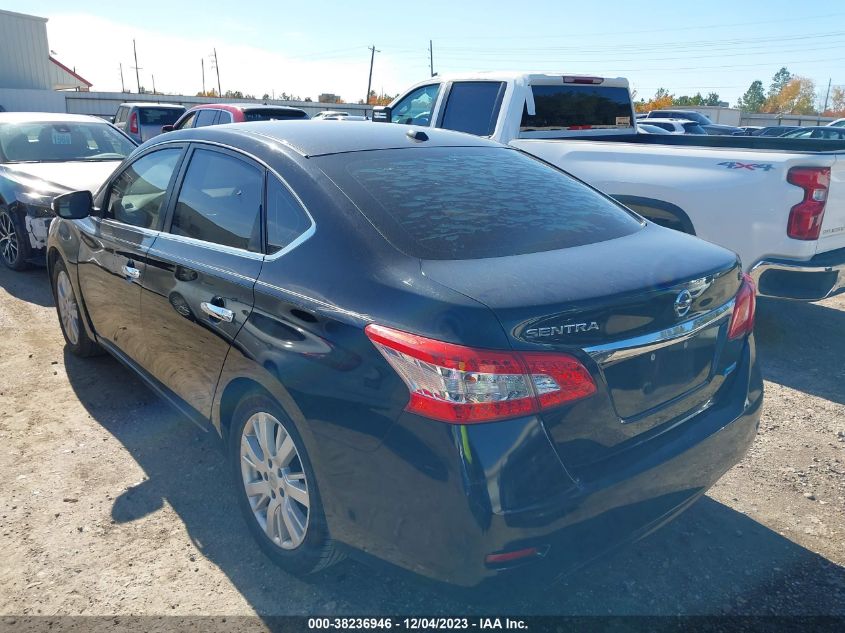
(25, 55)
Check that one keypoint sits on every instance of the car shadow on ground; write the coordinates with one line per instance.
(801, 345)
(711, 560)
(30, 285)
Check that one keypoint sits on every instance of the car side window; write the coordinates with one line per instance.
(206, 117)
(286, 219)
(120, 117)
(415, 108)
(187, 122)
(137, 195)
(224, 117)
(220, 201)
(473, 107)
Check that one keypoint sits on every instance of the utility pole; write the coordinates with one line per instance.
(217, 68)
(154, 83)
(826, 97)
(373, 52)
(431, 57)
(202, 63)
(137, 75)
(122, 87)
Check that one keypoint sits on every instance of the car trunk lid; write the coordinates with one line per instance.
(647, 313)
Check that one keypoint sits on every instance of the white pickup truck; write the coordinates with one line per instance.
(778, 203)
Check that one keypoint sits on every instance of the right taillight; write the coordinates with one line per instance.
(805, 218)
(462, 385)
(133, 123)
(745, 304)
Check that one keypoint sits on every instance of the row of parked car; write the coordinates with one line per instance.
(691, 122)
(142, 121)
(416, 342)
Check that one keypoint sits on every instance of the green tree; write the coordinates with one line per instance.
(712, 99)
(753, 99)
(779, 81)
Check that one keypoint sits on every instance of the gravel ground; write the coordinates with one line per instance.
(114, 504)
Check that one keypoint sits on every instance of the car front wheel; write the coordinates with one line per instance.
(276, 488)
(70, 316)
(14, 249)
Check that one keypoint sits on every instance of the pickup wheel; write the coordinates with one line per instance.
(14, 244)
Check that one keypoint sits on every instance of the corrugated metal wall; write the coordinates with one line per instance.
(106, 103)
(24, 52)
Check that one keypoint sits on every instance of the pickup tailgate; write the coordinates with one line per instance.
(833, 224)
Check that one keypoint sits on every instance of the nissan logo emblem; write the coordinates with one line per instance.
(683, 302)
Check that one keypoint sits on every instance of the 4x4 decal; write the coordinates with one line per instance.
(731, 164)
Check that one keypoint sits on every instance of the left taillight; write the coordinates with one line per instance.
(463, 385)
(133, 123)
(805, 218)
(745, 305)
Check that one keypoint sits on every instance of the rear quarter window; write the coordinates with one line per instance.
(473, 203)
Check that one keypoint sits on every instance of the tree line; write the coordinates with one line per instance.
(787, 94)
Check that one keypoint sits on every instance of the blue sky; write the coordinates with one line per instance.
(305, 48)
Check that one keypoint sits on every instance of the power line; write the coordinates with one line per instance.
(534, 36)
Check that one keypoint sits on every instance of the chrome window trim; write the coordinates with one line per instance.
(214, 246)
(237, 251)
(608, 353)
(125, 225)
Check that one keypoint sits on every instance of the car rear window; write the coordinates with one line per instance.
(273, 115)
(567, 106)
(159, 116)
(474, 202)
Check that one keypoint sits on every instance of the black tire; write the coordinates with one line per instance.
(317, 551)
(83, 345)
(14, 249)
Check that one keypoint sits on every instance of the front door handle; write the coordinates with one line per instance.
(130, 272)
(216, 312)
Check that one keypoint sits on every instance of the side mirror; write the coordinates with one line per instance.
(166, 128)
(74, 205)
(381, 114)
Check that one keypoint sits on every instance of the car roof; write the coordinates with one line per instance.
(668, 119)
(313, 138)
(147, 104)
(244, 106)
(48, 117)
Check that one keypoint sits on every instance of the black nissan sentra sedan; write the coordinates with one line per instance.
(419, 346)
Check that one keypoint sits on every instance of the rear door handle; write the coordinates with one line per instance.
(216, 312)
(130, 272)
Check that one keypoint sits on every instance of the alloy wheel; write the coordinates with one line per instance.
(68, 310)
(8, 239)
(274, 480)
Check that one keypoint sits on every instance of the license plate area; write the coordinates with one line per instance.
(643, 382)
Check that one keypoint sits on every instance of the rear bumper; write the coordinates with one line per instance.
(810, 280)
(460, 493)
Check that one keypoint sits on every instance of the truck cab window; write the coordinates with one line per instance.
(473, 107)
(415, 108)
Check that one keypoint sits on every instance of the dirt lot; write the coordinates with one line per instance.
(112, 503)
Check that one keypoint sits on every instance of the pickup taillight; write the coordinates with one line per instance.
(805, 218)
